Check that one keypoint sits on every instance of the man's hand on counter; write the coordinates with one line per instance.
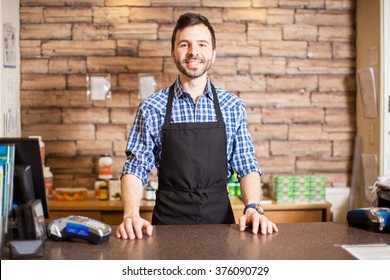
(256, 220)
(132, 228)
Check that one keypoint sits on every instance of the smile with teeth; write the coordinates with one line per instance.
(193, 63)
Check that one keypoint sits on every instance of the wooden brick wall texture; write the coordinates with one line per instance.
(292, 62)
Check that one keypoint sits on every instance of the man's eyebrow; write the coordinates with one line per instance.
(203, 41)
(188, 41)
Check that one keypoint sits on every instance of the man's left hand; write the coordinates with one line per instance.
(256, 220)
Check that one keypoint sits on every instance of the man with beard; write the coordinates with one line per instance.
(195, 134)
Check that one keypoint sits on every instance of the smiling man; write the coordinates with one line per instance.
(195, 134)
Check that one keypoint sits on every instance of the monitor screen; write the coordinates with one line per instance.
(23, 185)
(27, 153)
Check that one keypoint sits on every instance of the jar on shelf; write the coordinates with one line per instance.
(150, 190)
(101, 189)
(105, 167)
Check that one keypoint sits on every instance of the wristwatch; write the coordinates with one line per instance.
(255, 206)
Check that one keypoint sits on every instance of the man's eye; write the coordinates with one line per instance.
(183, 45)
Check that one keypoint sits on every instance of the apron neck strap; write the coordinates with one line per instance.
(217, 108)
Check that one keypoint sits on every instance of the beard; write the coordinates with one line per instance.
(193, 72)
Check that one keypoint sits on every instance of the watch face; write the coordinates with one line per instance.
(259, 209)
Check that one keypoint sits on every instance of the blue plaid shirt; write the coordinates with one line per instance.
(143, 148)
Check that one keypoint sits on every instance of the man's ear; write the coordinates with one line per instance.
(214, 55)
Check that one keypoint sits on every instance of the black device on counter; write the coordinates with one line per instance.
(91, 230)
(31, 231)
(26, 249)
(30, 221)
(372, 218)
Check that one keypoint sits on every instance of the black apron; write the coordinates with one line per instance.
(192, 184)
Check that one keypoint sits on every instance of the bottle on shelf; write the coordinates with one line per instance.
(233, 186)
(48, 176)
(105, 167)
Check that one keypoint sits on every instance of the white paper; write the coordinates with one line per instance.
(11, 94)
(9, 42)
(100, 87)
(367, 85)
(369, 251)
(147, 86)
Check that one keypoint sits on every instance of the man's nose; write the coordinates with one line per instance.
(193, 50)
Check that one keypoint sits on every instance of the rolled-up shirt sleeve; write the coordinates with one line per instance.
(244, 159)
(139, 149)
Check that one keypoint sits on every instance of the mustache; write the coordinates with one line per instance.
(192, 57)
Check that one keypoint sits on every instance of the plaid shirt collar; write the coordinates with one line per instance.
(179, 90)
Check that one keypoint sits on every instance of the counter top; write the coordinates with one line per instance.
(295, 241)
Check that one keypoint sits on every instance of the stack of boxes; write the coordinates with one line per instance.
(310, 188)
(318, 188)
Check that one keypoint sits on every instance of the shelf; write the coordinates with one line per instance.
(111, 212)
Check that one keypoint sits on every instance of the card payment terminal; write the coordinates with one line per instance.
(91, 230)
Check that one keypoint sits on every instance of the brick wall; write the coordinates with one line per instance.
(292, 62)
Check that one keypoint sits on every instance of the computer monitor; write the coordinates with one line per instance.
(27, 153)
(23, 185)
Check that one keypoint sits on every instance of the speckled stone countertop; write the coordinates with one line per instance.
(295, 241)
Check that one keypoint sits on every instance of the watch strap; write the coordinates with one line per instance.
(255, 206)
(251, 205)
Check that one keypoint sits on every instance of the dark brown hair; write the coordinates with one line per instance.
(191, 19)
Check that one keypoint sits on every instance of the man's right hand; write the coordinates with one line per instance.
(132, 227)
